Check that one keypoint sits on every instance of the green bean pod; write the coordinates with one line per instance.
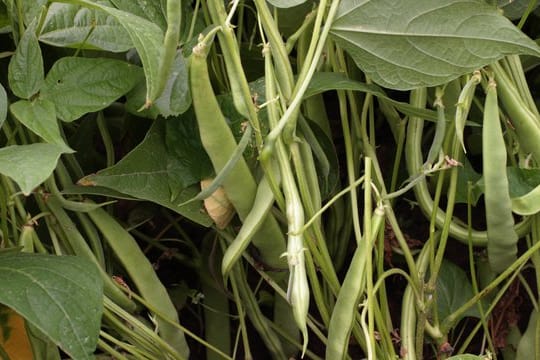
(75, 240)
(440, 130)
(144, 277)
(26, 238)
(413, 155)
(353, 287)
(502, 239)
(263, 203)
(219, 143)
(525, 122)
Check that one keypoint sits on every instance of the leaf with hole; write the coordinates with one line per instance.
(410, 44)
(78, 86)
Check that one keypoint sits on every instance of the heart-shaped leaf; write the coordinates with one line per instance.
(155, 173)
(40, 117)
(78, 86)
(60, 295)
(25, 71)
(406, 44)
(29, 165)
(453, 290)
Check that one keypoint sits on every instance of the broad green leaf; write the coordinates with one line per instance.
(29, 165)
(150, 10)
(60, 295)
(146, 36)
(78, 86)
(174, 100)
(453, 290)
(31, 9)
(40, 117)
(467, 357)
(71, 26)
(406, 44)
(176, 96)
(189, 163)
(3, 105)
(25, 71)
(149, 172)
(286, 3)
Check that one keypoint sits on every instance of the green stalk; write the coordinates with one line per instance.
(526, 123)
(284, 74)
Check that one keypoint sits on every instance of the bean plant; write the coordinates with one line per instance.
(270, 179)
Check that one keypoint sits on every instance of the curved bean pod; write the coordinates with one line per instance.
(413, 156)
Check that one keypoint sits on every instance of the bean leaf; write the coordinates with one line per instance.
(60, 295)
(173, 101)
(70, 25)
(25, 71)
(286, 3)
(407, 44)
(146, 36)
(151, 172)
(453, 290)
(40, 117)
(150, 10)
(29, 165)
(78, 86)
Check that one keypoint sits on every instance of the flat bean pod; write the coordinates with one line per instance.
(80, 247)
(219, 143)
(263, 203)
(353, 287)
(142, 274)
(502, 239)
